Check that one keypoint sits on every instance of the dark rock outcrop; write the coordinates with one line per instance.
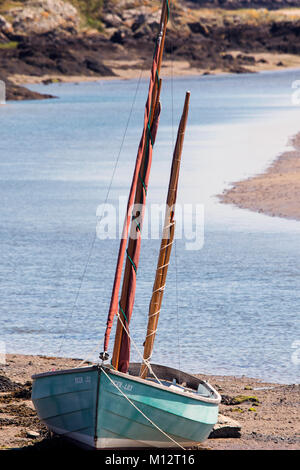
(18, 93)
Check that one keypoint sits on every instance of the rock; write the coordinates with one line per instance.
(143, 31)
(118, 37)
(32, 434)
(246, 59)
(139, 21)
(130, 15)
(239, 69)
(98, 67)
(112, 20)
(228, 57)
(24, 391)
(225, 427)
(6, 385)
(243, 398)
(154, 26)
(198, 28)
(228, 400)
(43, 16)
(5, 26)
(49, 81)
(7, 421)
(17, 93)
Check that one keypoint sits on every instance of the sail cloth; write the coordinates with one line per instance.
(134, 247)
(137, 194)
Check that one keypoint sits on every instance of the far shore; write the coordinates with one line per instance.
(266, 412)
(276, 192)
(127, 70)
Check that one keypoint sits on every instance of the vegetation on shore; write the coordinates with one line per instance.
(91, 12)
(9, 45)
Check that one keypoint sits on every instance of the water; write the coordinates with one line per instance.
(231, 307)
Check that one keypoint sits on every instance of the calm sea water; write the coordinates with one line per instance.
(231, 307)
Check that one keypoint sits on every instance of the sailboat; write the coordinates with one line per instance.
(117, 404)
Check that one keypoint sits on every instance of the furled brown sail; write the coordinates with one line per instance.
(137, 196)
(166, 243)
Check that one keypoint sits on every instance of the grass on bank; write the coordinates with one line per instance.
(90, 12)
(9, 45)
(6, 5)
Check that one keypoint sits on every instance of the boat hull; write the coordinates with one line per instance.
(105, 409)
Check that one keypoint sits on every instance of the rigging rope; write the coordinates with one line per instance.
(145, 361)
(140, 411)
(148, 365)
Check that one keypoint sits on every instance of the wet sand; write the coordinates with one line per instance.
(268, 414)
(276, 192)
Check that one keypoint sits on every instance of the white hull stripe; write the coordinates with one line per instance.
(113, 443)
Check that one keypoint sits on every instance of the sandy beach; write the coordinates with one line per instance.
(276, 192)
(267, 412)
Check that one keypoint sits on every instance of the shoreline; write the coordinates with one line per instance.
(128, 70)
(275, 192)
(267, 413)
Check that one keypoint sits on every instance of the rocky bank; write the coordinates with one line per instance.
(56, 38)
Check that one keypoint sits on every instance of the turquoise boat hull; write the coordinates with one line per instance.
(105, 409)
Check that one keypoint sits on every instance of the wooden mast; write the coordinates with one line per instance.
(128, 287)
(166, 243)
